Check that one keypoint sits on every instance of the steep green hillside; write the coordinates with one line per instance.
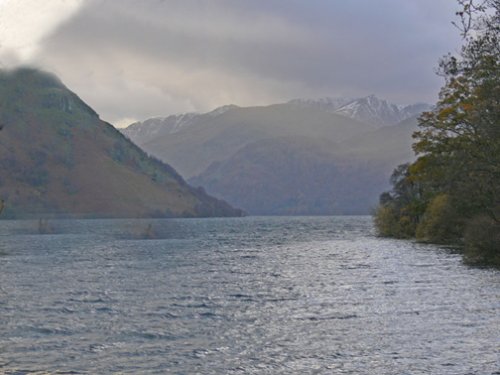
(57, 157)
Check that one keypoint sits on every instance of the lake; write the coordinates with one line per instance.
(255, 295)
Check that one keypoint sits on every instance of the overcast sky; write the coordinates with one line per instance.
(133, 59)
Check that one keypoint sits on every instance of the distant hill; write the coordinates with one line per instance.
(217, 135)
(300, 157)
(310, 176)
(294, 176)
(58, 158)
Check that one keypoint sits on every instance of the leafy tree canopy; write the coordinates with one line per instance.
(455, 182)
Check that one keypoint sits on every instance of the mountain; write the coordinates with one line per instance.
(150, 129)
(326, 104)
(292, 158)
(370, 109)
(294, 176)
(387, 145)
(215, 136)
(58, 158)
(311, 176)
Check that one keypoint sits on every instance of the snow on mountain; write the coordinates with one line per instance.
(144, 131)
(156, 126)
(370, 109)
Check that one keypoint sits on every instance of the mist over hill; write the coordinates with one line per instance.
(58, 158)
(327, 156)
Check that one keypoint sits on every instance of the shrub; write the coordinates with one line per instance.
(391, 223)
(482, 241)
(440, 222)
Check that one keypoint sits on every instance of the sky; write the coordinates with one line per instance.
(134, 59)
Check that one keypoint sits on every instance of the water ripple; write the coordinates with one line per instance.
(239, 296)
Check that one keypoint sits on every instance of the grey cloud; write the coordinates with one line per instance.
(142, 58)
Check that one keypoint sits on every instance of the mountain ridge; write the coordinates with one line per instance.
(370, 110)
(287, 159)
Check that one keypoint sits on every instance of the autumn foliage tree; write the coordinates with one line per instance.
(458, 149)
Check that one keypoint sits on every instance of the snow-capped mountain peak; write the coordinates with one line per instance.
(370, 109)
(152, 127)
(160, 126)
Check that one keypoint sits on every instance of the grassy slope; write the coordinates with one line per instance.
(57, 156)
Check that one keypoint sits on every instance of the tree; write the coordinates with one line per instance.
(461, 137)
(400, 210)
(458, 145)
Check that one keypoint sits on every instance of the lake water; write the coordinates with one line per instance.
(318, 295)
